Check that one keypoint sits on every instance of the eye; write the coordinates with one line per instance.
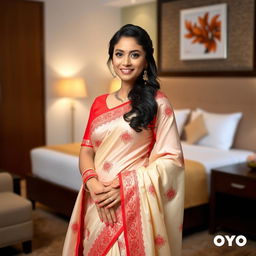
(118, 54)
(135, 55)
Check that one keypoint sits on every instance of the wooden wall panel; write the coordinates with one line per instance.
(22, 83)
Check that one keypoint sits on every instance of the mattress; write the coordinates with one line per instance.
(213, 157)
(62, 169)
(56, 167)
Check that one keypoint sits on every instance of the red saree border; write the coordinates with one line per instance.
(109, 116)
(80, 233)
(123, 212)
(130, 201)
(106, 238)
(113, 241)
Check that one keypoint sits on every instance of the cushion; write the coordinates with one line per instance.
(14, 209)
(195, 130)
(6, 182)
(221, 128)
(181, 116)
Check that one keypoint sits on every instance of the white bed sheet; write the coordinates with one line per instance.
(213, 157)
(56, 167)
(62, 169)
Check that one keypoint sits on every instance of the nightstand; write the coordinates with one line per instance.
(233, 199)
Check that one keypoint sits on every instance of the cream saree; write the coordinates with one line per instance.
(150, 169)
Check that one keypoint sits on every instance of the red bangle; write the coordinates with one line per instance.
(84, 184)
(85, 179)
(88, 174)
(86, 171)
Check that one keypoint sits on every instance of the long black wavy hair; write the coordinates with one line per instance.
(142, 95)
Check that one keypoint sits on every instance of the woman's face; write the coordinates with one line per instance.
(129, 59)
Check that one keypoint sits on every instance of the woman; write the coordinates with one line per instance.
(131, 163)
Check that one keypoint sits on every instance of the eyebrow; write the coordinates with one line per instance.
(119, 50)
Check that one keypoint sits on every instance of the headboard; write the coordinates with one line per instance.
(219, 95)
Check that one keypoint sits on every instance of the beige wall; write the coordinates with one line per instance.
(143, 15)
(77, 33)
(76, 41)
(218, 94)
(76, 38)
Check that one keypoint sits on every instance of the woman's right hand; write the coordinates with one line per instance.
(96, 190)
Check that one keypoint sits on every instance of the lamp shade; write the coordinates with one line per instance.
(71, 87)
(115, 85)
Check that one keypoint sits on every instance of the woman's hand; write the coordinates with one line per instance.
(97, 189)
(112, 194)
(110, 198)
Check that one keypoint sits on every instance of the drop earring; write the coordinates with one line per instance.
(145, 76)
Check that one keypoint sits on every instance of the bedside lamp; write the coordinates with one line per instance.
(71, 88)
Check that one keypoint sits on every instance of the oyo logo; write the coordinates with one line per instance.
(220, 240)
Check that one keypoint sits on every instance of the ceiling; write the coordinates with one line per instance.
(123, 3)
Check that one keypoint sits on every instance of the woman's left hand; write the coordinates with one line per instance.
(112, 197)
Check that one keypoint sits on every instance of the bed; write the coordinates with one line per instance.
(49, 163)
(50, 182)
(56, 178)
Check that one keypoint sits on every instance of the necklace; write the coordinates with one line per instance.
(118, 98)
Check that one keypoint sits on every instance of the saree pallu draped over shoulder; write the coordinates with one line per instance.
(150, 168)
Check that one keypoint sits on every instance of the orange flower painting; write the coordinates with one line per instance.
(203, 32)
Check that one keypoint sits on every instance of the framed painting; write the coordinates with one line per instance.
(203, 32)
(206, 37)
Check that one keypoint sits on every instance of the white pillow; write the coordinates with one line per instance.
(181, 116)
(221, 128)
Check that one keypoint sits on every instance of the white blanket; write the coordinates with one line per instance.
(62, 169)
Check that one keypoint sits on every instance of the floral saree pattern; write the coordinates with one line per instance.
(150, 168)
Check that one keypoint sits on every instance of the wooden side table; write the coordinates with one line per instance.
(233, 199)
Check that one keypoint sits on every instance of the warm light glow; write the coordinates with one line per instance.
(67, 71)
(71, 87)
(114, 85)
(67, 66)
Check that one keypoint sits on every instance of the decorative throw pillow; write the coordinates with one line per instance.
(181, 116)
(195, 130)
(221, 128)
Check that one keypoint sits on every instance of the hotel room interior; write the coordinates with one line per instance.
(50, 46)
